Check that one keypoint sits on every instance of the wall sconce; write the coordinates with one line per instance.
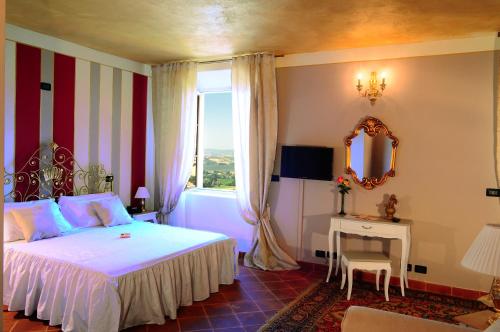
(374, 90)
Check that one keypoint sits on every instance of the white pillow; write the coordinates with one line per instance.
(37, 222)
(11, 231)
(112, 212)
(64, 199)
(80, 213)
(61, 222)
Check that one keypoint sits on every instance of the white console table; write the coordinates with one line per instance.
(367, 226)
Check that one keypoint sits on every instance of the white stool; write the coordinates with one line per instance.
(371, 261)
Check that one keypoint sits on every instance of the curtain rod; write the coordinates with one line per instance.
(229, 59)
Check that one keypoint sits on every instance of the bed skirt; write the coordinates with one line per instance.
(85, 300)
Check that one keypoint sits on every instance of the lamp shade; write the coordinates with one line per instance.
(142, 192)
(483, 255)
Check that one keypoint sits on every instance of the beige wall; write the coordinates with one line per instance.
(441, 109)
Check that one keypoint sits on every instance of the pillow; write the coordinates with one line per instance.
(62, 224)
(64, 199)
(37, 222)
(11, 231)
(80, 213)
(112, 212)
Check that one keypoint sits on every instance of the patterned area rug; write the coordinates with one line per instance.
(322, 307)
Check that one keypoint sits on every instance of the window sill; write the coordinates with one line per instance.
(211, 193)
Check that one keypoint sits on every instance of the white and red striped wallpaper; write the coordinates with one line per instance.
(102, 114)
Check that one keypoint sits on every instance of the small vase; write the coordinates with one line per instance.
(342, 213)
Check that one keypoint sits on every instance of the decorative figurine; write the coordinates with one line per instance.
(390, 207)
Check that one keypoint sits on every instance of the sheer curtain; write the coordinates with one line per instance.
(497, 116)
(174, 112)
(255, 128)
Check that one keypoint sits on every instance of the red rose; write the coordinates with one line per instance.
(340, 179)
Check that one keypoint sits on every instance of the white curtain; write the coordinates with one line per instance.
(497, 115)
(255, 127)
(174, 112)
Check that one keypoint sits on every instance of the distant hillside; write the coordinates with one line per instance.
(219, 153)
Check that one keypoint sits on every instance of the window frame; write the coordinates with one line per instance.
(200, 147)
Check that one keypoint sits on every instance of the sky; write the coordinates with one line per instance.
(218, 127)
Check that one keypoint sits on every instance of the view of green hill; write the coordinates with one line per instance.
(218, 170)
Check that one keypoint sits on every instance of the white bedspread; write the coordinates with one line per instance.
(92, 280)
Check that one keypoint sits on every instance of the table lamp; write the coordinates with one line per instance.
(483, 256)
(142, 193)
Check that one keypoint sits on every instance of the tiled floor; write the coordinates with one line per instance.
(244, 306)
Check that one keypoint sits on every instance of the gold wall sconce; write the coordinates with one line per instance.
(374, 90)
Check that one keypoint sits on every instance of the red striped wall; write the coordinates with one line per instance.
(27, 133)
(64, 107)
(139, 116)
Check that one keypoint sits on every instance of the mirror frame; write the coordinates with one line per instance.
(372, 126)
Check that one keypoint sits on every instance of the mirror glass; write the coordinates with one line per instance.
(371, 156)
(371, 153)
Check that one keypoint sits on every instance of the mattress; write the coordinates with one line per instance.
(93, 280)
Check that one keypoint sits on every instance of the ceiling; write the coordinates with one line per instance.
(156, 31)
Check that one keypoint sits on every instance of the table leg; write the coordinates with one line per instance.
(407, 257)
(402, 272)
(330, 251)
(339, 253)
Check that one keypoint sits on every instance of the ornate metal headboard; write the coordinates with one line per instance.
(52, 171)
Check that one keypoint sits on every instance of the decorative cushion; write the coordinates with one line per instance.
(80, 213)
(111, 212)
(37, 222)
(11, 231)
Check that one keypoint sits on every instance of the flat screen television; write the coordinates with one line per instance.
(307, 162)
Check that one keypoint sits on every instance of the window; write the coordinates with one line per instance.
(213, 166)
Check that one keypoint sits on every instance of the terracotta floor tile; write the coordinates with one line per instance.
(26, 325)
(214, 298)
(8, 323)
(270, 313)
(169, 326)
(142, 328)
(270, 304)
(252, 318)
(191, 311)
(219, 322)
(276, 284)
(283, 293)
(268, 277)
(244, 306)
(218, 309)
(231, 329)
(294, 275)
(194, 324)
(253, 286)
(247, 277)
(251, 328)
(236, 296)
(262, 295)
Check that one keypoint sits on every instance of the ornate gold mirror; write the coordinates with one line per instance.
(371, 153)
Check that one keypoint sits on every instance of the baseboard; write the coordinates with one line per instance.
(462, 293)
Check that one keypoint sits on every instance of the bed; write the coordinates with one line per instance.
(92, 279)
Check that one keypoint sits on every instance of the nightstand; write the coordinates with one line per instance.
(146, 216)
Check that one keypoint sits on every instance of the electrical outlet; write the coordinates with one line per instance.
(492, 192)
(421, 269)
(324, 254)
(320, 253)
(408, 267)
